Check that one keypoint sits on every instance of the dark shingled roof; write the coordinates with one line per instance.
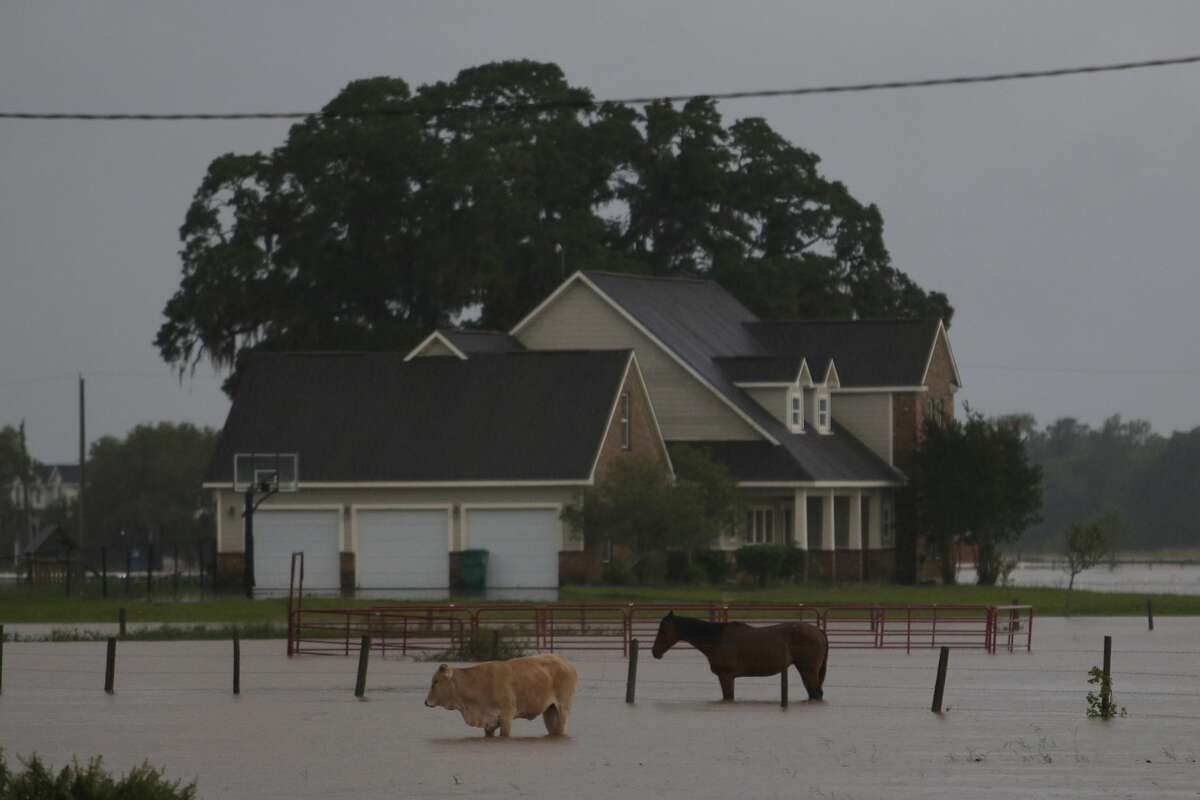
(705, 325)
(473, 341)
(373, 417)
(761, 369)
(867, 352)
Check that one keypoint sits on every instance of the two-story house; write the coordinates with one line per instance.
(477, 439)
(51, 485)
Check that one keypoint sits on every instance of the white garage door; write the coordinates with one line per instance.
(523, 545)
(403, 549)
(277, 534)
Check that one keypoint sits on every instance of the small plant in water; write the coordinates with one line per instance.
(1100, 702)
(498, 644)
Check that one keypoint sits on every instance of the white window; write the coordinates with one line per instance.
(760, 526)
(823, 412)
(625, 420)
(795, 411)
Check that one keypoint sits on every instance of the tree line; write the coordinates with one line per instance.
(1141, 484)
(143, 487)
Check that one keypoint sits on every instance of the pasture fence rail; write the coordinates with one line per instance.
(413, 629)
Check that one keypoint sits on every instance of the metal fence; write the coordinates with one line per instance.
(137, 570)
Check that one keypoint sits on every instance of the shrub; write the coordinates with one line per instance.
(617, 572)
(496, 644)
(1101, 704)
(715, 564)
(36, 781)
(765, 562)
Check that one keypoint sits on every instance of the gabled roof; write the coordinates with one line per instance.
(376, 418)
(890, 352)
(479, 341)
(761, 369)
(701, 324)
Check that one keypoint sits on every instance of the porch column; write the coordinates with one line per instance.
(875, 522)
(827, 520)
(800, 519)
(856, 520)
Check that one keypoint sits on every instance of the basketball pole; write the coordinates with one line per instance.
(248, 562)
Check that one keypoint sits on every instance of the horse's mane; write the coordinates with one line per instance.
(698, 630)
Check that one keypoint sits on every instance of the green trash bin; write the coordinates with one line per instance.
(473, 564)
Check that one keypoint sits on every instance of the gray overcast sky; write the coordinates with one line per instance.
(1060, 215)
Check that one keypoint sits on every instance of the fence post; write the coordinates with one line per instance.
(110, 665)
(149, 568)
(103, 570)
(939, 686)
(176, 565)
(1149, 614)
(67, 576)
(1106, 696)
(631, 678)
(364, 649)
(237, 663)
(128, 569)
(121, 622)
(1, 659)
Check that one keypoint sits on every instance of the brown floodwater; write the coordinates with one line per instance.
(1015, 724)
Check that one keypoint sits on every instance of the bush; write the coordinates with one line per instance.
(617, 572)
(91, 782)
(769, 562)
(495, 644)
(715, 564)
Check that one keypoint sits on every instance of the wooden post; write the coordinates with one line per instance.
(940, 686)
(237, 663)
(103, 571)
(1149, 614)
(1, 659)
(110, 665)
(176, 568)
(67, 576)
(631, 678)
(364, 649)
(149, 568)
(1106, 696)
(121, 622)
(128, 568)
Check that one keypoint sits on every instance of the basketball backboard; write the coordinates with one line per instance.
(266, 472)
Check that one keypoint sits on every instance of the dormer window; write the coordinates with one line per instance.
(823, 411)
(795, 410)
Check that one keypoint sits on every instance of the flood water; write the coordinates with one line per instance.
(1015, 724)
(1157, 578)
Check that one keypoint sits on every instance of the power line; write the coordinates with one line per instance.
(549, 105)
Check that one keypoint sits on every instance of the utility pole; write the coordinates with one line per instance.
(82, 465)
(26, 532)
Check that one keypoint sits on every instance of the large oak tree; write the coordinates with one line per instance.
(397, 210)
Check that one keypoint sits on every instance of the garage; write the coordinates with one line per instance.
(403, 548)
(522, 543)
(278, 533)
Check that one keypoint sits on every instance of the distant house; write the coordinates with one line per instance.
(52, 484)
(476, 439)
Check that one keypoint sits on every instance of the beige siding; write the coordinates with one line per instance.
(773, 400)
(687, 410)
(868, 417)
(435, 348)
(229, 507)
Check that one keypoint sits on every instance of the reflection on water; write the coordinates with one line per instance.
(1159, 578)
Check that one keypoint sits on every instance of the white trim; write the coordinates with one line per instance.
(804, 371)
(823, 393)
(891, 434)
(622, 389)
(818, 484)
(653, 416)
(340, 508)
(764, 385)
(420, 484)
(217, 503)
(645, 332)
(941, 331)
(878, 389)
(832, 380)
(468, 507)
(436, 336)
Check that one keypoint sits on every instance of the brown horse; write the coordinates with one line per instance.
(736, 650)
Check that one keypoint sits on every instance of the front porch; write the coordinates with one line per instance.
(845, 533)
